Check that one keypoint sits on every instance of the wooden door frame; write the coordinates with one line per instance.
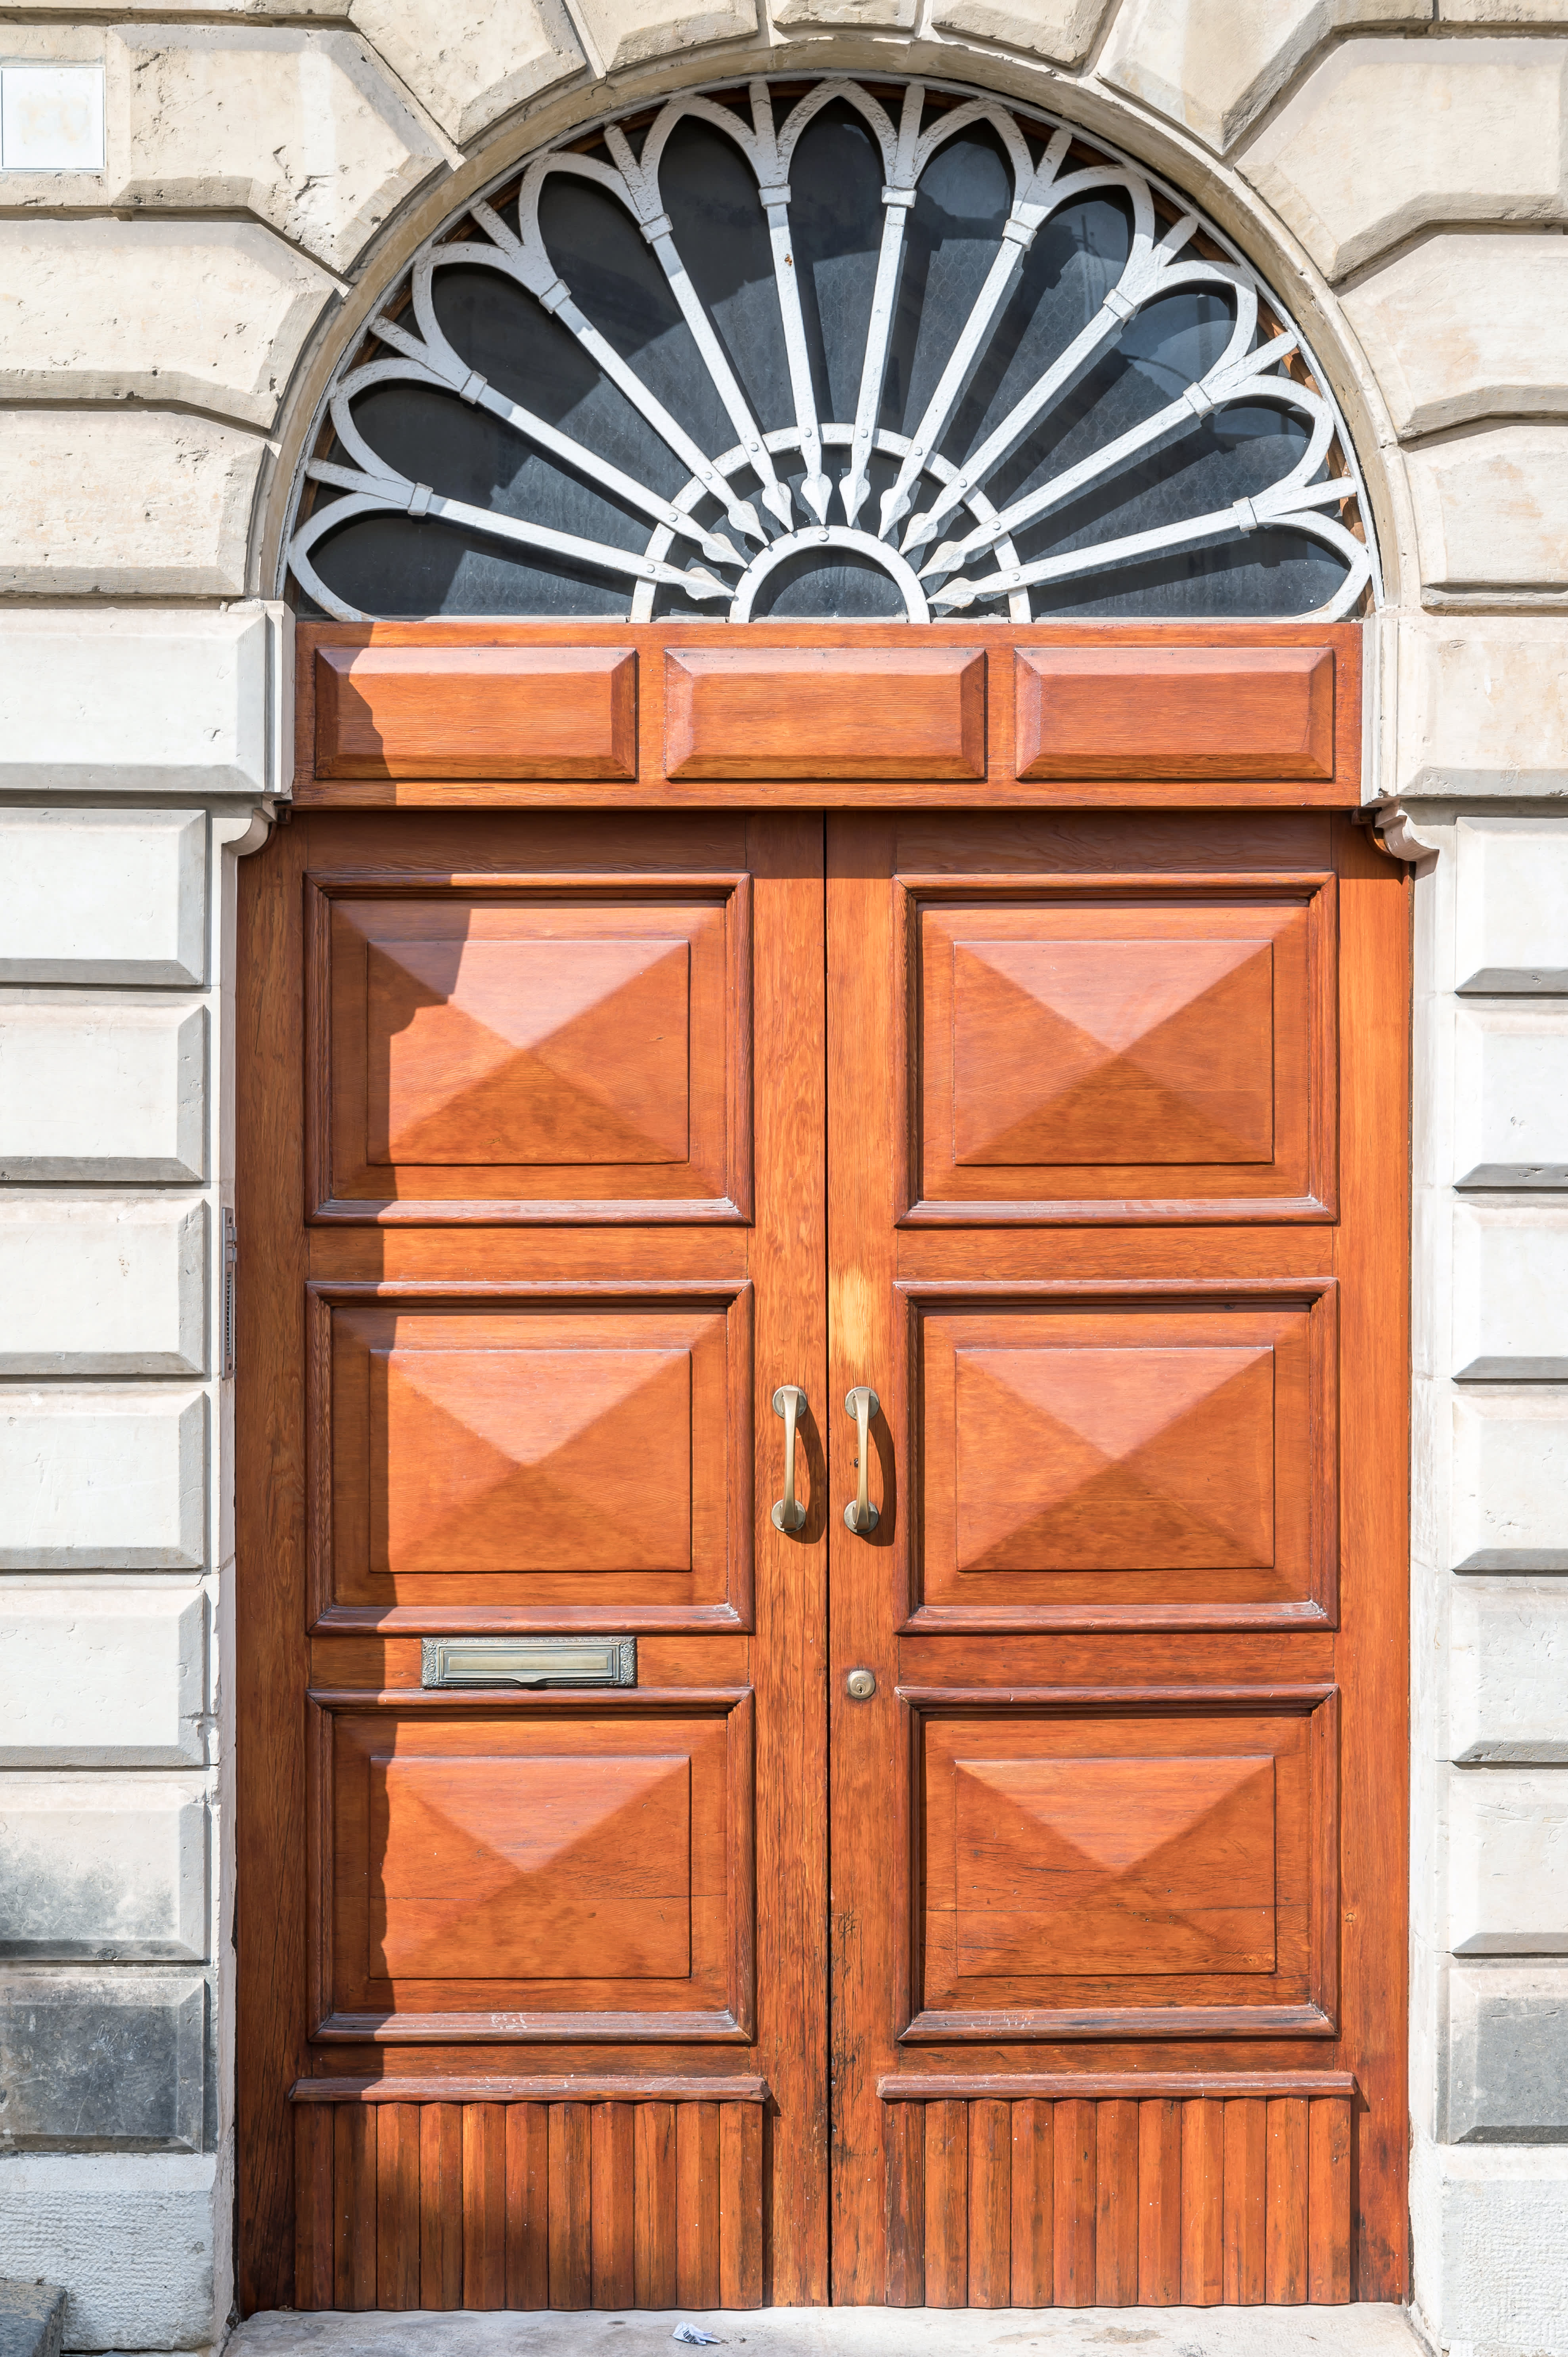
(685, 716)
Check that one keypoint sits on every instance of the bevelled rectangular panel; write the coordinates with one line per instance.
(476, 712)
(542, 1049)
(1126, 1865)
(539, 1458)
(1174, 712)
(1135, 1053)
(825, 712)
(1095, 1464)
(520, 1863)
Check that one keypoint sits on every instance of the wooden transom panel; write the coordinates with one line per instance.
(543, 1461)
(1143, 1462)
(542, 1053)
(476, 712)
(1156, 1055)
(532, 1864)
(1184, 712)
(916, 710)
(1111, 1866)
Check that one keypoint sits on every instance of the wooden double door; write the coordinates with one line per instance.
(992, 1897)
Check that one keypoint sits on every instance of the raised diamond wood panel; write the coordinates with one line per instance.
(551, 1460)
(1114, 1865)
(534, 1053)
(1152, 2199)
(1098, 1870)
(563, 1868)
(511, 1867)
(1089, 1464)
(528, 1052)
(608, 2202)
(1131, 1459)
(1163, 1055)
(530, 1459)
(1140, 1054)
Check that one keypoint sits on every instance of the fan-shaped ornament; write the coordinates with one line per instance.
(822, 349)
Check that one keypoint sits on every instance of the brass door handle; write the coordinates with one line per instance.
(862, 1402)
(789, 1402)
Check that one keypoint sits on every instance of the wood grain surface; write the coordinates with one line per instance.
(565, 2206)
(1200, 712)
(537, 1418)
(1074, 1123)
(1073, 1396)
(445, 711)
(1122, 715)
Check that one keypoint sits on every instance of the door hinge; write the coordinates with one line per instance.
(230, 1262)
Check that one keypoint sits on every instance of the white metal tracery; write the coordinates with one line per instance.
(935, 530)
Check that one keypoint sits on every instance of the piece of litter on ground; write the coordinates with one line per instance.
(694, 2337)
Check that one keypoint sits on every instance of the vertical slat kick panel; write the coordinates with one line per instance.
(1149, 2200)
(579, 2204)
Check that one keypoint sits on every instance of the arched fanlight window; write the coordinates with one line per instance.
(830, 349)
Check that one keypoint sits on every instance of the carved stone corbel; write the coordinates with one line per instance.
(1396, 834)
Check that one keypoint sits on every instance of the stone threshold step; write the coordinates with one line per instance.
(1368, 2332)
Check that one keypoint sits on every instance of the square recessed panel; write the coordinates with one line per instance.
(1124, 1462)
(536, 1866)
(531, 1056)
(535, 1461)
(1111, 1863)
(1154, 1056)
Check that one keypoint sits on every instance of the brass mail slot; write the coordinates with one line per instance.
(529, 1662)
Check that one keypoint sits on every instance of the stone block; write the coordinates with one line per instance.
(102, 2062)
(32, 2319)
(472, 64)
(1468, 325)
(1511, 1293)
(103, 895)
(147, 700)
(109, 1479)
(887, 16)
(1508, 1862)
(646, 32)
(1063, 32)
(51, 117)
(93, 1087)
(1508, 2054)
(102, 1285)
(1510, 1482)
(1490, 2257)
(1215, 66)
(1388, 137)
(1501, 12)
(130, 2235)
(209, 313)
(93, 1676)
(1511, 1087)
(1491, 510)
(103, 1867)
(301, 128)
(1510, 920)
(154, 503)
(1508, 1672)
